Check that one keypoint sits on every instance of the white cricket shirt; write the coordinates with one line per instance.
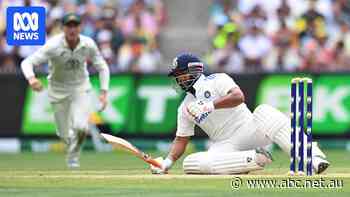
(67, 68)
(221, 123)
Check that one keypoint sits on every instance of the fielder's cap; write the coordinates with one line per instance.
(71, 18)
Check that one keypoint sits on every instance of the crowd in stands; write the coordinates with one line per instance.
(126, 31)
(279, 36)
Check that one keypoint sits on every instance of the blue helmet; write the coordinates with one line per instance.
(186, 69)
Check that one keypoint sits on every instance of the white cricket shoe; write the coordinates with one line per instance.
(73, 150)
(320, 164)
(73, 163)
(263, 157)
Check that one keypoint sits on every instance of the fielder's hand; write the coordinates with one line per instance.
(165, 163)
(35, 84)
(103, 99)
(199, 110)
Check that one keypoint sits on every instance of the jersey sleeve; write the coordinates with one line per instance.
(224, 83)
(100, 64)
(185, 127)
(39, 57)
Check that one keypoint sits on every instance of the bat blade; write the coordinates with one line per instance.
(120, 143)
(125, 145)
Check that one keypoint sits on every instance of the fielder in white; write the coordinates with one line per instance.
(216, 104)
(68, 82)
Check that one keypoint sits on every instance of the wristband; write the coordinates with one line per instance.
(210, 106)
(167, 163)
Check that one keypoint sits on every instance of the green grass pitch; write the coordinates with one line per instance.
(121, 174)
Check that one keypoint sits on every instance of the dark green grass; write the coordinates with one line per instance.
(120, 174)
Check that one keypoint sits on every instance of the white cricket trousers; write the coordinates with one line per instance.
(237, 154)
(72, 114)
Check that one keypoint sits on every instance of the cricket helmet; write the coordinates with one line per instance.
(186, 69)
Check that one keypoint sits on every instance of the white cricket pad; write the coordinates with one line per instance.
(221, 163)
(274, 124)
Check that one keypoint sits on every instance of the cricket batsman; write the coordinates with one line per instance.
(215, 103)
(68, 82)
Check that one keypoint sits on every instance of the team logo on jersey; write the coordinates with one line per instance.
(207, 94)
(25, 25)
(201, 118)
(249, 159)
(72, 64)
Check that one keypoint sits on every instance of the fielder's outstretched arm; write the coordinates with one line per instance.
(100, 64)
(41, 56)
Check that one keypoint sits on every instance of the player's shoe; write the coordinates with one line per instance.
(72, 156)
(73, 150)
(73, 163)
(263, 157)
(321, 164)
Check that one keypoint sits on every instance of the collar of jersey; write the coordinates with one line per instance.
(80, 44)
(196, 85)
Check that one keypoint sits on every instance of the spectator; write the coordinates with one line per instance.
(342, 48)
(220, 14)
(345, 37)
(255, 46)
(311, 23)
(226, 33)
(137, 58)
(317, 56)
(281, 35)
(342, 58)
(342, 11)
(104, 39)
(257, 14)
(228, 59)
(284, 54)
(282, 15)
(140, 19)
(103, 20)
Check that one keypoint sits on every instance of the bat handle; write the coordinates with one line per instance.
(154, 163)
(149, 160)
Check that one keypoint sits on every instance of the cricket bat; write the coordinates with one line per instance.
(125, 145)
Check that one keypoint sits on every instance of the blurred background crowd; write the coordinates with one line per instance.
(126, 31)
(280, 35)
(245, 35)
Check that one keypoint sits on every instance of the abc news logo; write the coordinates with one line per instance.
(25, 25)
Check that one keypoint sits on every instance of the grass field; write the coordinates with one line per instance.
(120, 174)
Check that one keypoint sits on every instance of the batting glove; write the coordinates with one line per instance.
(199, 110)
(165, 163)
